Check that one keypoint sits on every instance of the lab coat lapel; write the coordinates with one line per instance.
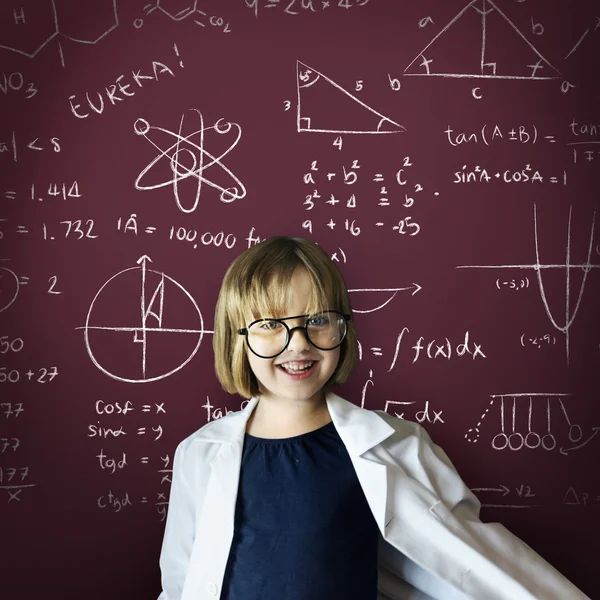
(225, 466)
(362, 430)
(216, 508)
(403, 510)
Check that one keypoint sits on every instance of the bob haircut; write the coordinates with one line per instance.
(257, 285)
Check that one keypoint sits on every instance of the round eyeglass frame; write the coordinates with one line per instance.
(289, 331)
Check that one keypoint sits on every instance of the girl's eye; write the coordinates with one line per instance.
(270, 325)
(318, 320)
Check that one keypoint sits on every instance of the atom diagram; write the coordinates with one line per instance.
(186, 161)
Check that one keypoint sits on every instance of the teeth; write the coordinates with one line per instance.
(297, 366)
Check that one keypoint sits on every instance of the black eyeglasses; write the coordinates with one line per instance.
(268, 338)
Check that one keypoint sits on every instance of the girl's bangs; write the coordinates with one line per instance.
(269, 295)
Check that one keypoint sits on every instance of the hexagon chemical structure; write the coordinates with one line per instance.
(30, 26)
(177, 9)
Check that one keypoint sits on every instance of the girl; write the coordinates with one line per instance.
(304, 496)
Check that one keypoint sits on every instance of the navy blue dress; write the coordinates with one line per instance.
(303, 527)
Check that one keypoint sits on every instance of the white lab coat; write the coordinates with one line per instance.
(432, 543)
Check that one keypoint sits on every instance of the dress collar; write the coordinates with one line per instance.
(360, 429)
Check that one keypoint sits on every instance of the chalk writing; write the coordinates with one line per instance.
(542, 341)
(521, 491)
(39, 375)
(11, 146)
(513, 284)
(55, 190)
(521, 134)
(10, 410)
(109, 432)
(8, 344)
(574, 498)
(425, 415)
(350, 174)
(214, 412)
(297, 7)
(117, 91)
(78, 229)
(527, 174)
(15, 82)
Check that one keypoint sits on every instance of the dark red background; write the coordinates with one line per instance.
(56, 538)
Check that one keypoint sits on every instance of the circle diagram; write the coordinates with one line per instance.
(142, 326)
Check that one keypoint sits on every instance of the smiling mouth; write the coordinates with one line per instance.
(297, 367)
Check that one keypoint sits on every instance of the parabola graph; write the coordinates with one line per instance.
(142, 326)
(585, 267)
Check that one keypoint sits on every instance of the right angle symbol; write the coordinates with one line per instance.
(329, 108)
(482, 42)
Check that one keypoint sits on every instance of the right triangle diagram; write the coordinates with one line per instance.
(326, 107)
(481, 41)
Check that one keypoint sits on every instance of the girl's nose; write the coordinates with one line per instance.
(298, 341)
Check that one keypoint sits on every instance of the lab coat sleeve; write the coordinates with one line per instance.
(179, 531)
(392, 586)
(438, 472)
(505, 559)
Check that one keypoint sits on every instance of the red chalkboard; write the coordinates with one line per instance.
(445, 153)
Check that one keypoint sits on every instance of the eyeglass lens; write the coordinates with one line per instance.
(269, 337)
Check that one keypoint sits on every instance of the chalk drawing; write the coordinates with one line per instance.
(33, 25)
(161, 302)
(538, 267)
(179, 10)
(9, 288)
(188, 159)
(362, 119)
(511, 438)
(370, 292)
(492, 19)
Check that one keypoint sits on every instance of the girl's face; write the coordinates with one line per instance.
(279, 377)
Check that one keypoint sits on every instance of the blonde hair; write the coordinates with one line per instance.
(257, 284)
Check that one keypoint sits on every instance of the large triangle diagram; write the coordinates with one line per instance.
(482, 42)
(326, 107)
